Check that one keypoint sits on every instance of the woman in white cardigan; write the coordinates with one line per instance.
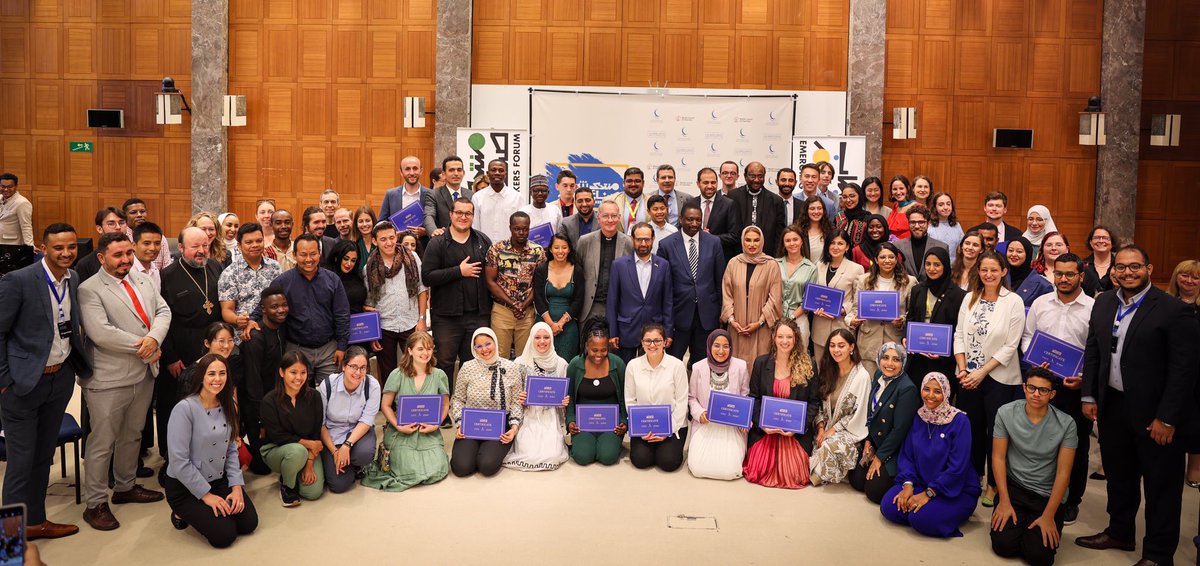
(990, 324)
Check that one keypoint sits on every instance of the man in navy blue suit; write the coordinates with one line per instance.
(639, 292)
(697, 267)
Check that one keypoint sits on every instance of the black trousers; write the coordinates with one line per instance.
(220, 531)
(1133, 462)
(1070, 402)
(31, 423)
(452, 340)
(690, 336)
(667, 455)
(1020, 541)
(388, 357)
(484, 456)
(981, 405)
(876, 487)
(166, 395)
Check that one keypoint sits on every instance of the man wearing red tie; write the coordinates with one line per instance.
(126, 320)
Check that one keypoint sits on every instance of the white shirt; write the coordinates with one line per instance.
(537, 216)
(397, 311)
(407, 198)
(151, 273)
(60, 348)
(643, 267)
(666, 384)
(1066, 321)
(492, 210)
(661, 232)
(138, 293)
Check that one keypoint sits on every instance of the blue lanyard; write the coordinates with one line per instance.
(1122, 314)
(57, 298)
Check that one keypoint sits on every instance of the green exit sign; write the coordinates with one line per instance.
(81, 147)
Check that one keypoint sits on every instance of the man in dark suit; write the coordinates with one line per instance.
(995, 206)
(584, 221)
(41, 354)
(914, 247)
(396, 198)
(107, 220)
(759, 207)
(639, 293)
(697, 267)
(441, 200)
(718, 214)
(1139, 379)
(793, 206)
(314, 222)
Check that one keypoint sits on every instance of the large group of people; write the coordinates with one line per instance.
(237, 352)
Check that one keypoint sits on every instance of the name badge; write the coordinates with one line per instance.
(64, 329)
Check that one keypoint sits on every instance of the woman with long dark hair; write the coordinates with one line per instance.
(842, 420)
(887, 273)
(838, 271)
(558, 295)
(364, 239)
(292, 416)
(900, 190)
(815, 226)
(343, 261)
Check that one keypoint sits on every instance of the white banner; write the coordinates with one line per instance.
(478, 146)
(847, 154)
(598, 136)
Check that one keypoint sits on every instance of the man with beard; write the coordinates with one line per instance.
(718, 214)
(399, 198)
(793, 207)
(918, 242)
(639, 293)
(631, 202)
(759, 207)
(583, 222)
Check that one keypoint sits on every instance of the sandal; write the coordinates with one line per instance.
(178, 523)
(988, 501)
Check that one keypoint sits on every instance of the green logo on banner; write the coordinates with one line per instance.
(476, 141)
(80, 147)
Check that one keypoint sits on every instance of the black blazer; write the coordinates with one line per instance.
(28, 325)
(762, 382)
(541, 275)
(724, 223)
(1158, 361)
(892, 420)
(945, 311)
(1091, 275)
(770, 215)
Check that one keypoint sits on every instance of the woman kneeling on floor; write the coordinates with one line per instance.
(292, 416)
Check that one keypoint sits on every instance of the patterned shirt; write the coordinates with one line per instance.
(516, 268)
(242, 284)
(979, 320)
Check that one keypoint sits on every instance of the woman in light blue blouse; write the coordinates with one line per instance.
(204, 481)
(351, 401)
(797, 272)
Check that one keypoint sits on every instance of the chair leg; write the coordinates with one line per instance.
(78, 482)
(62, 458)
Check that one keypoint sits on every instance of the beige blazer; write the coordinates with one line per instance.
(112, 326)
(843, 279)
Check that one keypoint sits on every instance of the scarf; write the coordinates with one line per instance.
(492, 365)
(944, 413)
(377, 273)
(1036, 239)
(758, 258)
(718, 367)
(937, 287)
(1018, 273)
(870, 247)
(872, 406)
(547, 363)
(858, 212)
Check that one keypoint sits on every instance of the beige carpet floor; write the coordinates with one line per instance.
(574, 515)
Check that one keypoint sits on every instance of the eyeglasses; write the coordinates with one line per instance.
(918, 222)
(1101, 239)
(479, 347)
(1123, 267)
(1035, 390)
(462, 213)
(1066, 274)
(652, 341)
(356, 368)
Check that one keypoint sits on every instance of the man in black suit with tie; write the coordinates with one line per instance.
(759, 207)
(441, 200)
(697, 267)
(718, 214)
(1139, 379)
(41, 354)
(785, 179)
(995, 206)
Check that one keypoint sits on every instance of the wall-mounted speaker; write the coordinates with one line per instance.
(105, 118)
(1010, 138)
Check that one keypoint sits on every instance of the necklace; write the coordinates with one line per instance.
(719, 381)
(208, 306)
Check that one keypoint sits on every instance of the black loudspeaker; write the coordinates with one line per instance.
(85, 248)
(13, 258)
(1018, 139)
(105, 118)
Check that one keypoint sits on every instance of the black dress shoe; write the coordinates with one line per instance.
(1097, 476)
(178, 523)
(145, 472)
(1101, 541)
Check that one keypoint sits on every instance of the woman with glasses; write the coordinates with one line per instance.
(716, 450)
(489, 381)
(597, 378)
(656, 378)
(852, 218)
(351, 401)
(1039, 223)
(1102, 241)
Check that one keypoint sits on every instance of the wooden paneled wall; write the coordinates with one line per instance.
(60, 57)
(970, 67)
(762, 44)
(1168, 204)
(325, 82)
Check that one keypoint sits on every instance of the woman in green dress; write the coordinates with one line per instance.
(558, 296)
(411, 454)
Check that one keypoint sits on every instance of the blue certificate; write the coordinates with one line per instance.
(926, 338)
(545, 391)
(541, 234)
(596, 418)
(483, 424)
(1065, 360)
(419, 409)
(647, 419)
(822, 297)
(364, 327)
(879, 305)
(731, 410)
(783, 414)
(411, 216)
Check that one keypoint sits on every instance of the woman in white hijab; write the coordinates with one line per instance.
(1039, 224)
(227, 228)
(540, 444)
(489, 381)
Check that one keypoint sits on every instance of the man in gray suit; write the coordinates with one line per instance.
(126, 320)
(914, 247)
(596, 253)
(440, 201)
(41, 353)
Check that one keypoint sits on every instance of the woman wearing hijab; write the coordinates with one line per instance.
(778, 458)
(487, 382)
(852, 219)
(343, 260)
(886, 274)
(842, 417)
(890, 408)
(1039, 224)
(936, 486)
(752, 293)
(717, 450)
(540, 443)
(935, 300)
(1023, 279)
(877, 235)
(227, 225)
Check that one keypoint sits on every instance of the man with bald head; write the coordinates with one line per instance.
(189, 286)
(759, 207)
(397, 198)
(596, 253)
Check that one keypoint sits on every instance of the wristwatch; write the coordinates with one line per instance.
(930, 493)
(348, 443)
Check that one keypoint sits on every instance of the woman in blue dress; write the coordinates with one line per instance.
(936, 488)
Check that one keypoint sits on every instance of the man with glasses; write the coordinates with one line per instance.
(596, 254)
(729, 177)
(914, 247)
(631, 201)
(1139, 379)
(109, 220)
(639, 293)
(1064, 315)
(459, 298)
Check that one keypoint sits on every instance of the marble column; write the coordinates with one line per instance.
(210, 77)
(1121, 98)
(865, 72)
(453, 95)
